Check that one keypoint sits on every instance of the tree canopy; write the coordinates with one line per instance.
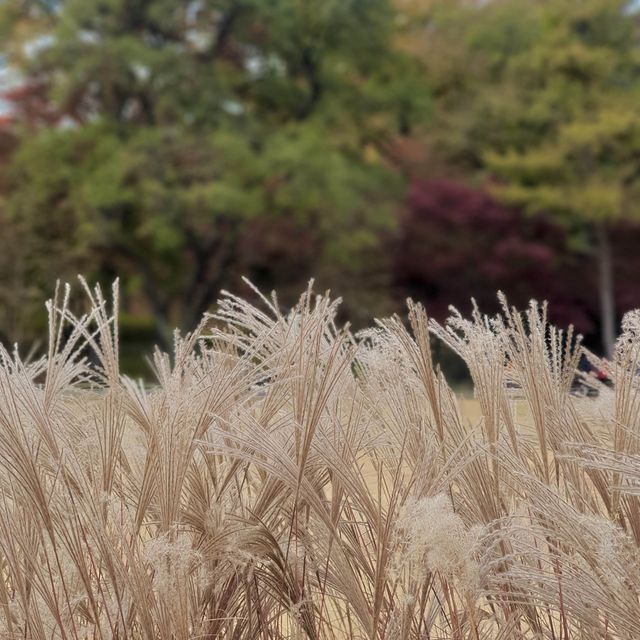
(541, 102)
(180, 124)
(181, 145)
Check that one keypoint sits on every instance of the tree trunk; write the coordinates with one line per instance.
(606, 291)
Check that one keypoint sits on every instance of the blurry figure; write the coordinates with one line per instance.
(582, 385)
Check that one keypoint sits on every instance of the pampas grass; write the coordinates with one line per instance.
(284, 478)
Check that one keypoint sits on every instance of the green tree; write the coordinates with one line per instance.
(542, 99)
(578, 85)
(465, 49)
(180, 123)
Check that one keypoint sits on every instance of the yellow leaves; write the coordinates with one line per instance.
(592, 200)
(597, 201)
(605, 139)
(543, 163)
(582, 170)
(535, 198)
(580, 62)
(371, 154)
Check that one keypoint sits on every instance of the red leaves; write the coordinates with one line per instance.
(456, 242)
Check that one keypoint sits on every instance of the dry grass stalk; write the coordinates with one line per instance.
(287, 479)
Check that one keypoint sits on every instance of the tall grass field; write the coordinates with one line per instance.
(285, 478)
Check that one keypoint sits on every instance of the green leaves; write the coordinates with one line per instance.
(575, 79)
(184, 124)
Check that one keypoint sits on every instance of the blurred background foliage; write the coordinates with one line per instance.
(441, 149)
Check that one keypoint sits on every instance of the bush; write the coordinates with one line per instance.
(455, 241)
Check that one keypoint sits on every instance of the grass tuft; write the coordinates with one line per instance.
(284, 478)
